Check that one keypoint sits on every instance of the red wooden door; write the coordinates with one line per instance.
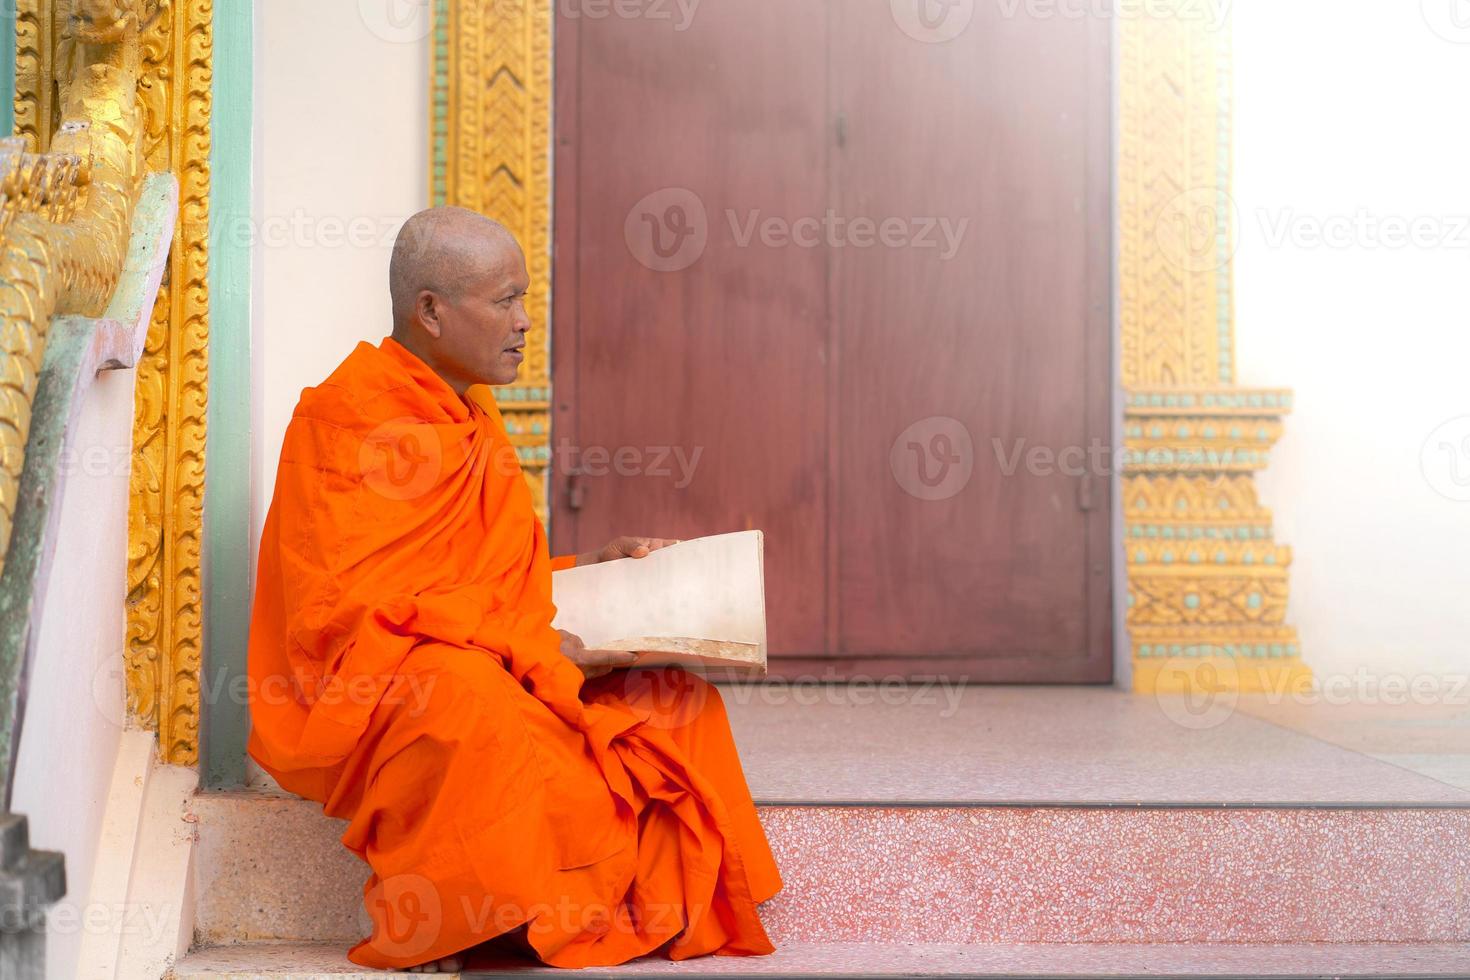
(823, 273)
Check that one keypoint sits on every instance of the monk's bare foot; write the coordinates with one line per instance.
(449, 964)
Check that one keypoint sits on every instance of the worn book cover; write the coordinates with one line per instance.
(699, 602)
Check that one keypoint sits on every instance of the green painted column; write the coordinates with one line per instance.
(7, 67)
(227, 541)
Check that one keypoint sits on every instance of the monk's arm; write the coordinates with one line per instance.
(624, 547)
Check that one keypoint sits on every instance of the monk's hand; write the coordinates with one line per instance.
(593, 663)
(625, 547)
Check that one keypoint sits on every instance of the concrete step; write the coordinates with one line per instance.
(899, 959)
(272, 868)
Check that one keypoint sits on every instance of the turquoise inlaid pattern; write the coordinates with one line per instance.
(521, 395)
(1219, 400)
(1259, 651)
(439, 150)
(1196, 458)
(1188, 532)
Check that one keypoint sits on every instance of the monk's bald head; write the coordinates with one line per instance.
(458, 281)
(441, 250)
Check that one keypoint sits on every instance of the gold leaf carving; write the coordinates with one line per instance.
(165, 520)
(496, 159)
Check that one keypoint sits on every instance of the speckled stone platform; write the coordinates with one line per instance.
(273, 869)
(977, 744)
(875, 960)
(998, 831)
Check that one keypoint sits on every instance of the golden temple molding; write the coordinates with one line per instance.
(1207, 584)
(171, 50)
(165, 615)
(68, 207)
(491, 152)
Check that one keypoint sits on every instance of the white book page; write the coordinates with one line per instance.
(703, 589)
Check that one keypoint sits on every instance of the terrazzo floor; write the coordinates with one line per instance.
(875, 960)
(1091, 746)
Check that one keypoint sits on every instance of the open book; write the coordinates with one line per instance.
(699, 602)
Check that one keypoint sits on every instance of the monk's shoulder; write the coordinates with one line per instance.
(332, 418)
(364, 390)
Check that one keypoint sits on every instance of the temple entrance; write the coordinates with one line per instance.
(786, 300)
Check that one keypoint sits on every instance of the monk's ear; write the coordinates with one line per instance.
(427, 309)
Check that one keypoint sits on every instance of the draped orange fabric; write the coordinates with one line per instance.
(405, 674)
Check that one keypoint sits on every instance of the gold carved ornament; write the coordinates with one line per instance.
(68, 209)
(160, 97)
(491, 152)
(1207, 584)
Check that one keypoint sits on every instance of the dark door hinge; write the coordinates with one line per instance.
(576, 492)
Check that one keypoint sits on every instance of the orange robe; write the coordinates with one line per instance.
(405, 674)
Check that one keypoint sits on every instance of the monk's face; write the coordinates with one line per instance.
(482, 330)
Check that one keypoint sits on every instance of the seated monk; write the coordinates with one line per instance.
(497, 777)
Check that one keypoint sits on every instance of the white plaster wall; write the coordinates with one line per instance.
(1348, 114)
(74, 707)
(342, 103)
